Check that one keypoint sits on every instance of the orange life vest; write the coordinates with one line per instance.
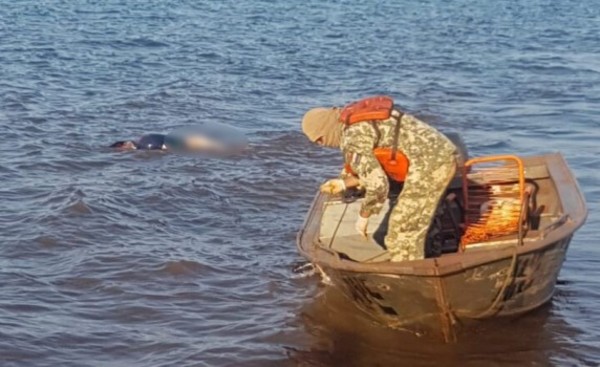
(379, 108)
(373, 108)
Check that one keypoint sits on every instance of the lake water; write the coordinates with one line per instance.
(139, 259)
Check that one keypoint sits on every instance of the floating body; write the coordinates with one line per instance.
(203, 137)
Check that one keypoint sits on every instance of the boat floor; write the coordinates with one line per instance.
(360, 249)
(338, 233)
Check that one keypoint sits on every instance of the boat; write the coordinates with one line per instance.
(494, 249)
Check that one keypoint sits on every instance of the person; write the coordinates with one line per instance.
(147, 142)
(169, 142)
(206, 137)
(380, 142)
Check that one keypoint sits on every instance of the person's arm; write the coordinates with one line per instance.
(351, 181)
(359, 142)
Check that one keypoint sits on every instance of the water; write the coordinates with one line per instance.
(112, 259)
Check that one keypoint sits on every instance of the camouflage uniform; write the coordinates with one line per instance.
(432, 158)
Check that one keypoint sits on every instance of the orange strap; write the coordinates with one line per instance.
(373, 108)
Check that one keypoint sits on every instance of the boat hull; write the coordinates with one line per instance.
(434, 304)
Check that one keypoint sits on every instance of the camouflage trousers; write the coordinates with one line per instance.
(413, 213)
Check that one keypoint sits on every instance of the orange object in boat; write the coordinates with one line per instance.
(494, 210)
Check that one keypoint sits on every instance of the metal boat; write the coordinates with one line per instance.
(493, 274)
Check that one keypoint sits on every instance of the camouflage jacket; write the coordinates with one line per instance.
(424, 146)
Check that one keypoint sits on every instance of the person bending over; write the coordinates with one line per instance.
(378, 140)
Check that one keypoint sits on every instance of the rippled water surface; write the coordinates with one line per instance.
(138, 259)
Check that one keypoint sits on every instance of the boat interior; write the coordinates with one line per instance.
(492, 203)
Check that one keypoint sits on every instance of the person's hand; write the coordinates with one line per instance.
(361, 225)
(333, 186)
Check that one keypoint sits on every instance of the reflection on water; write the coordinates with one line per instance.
(342, 336)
